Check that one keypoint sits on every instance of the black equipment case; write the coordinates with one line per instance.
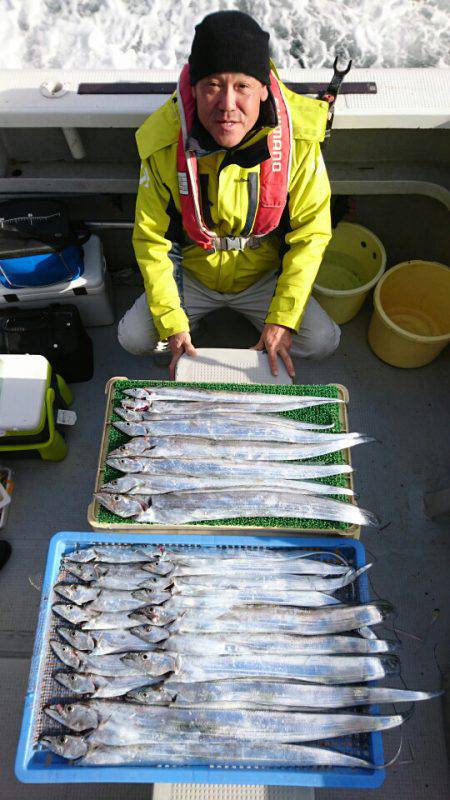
(55, 332)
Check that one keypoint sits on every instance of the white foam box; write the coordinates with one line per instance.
(91, 292)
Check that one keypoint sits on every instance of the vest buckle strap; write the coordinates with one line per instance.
(236, 242)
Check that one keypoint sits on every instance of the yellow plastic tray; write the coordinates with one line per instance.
(353, 531)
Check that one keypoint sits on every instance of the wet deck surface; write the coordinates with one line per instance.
(406, 410)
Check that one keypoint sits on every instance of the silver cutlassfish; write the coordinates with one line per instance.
(181, 507)
(190, 447)
(276, 695)
(161, 484)
(230, 428)
(155, 393)
(120, 724)
(190, 753)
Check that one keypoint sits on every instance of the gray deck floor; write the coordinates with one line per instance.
(406, 410)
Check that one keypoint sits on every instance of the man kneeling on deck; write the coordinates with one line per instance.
(233, 207)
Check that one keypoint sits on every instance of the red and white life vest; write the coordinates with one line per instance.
(274, 175)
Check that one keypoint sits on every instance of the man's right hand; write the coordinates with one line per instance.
(180, 343)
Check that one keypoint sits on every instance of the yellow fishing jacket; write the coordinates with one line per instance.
(296, 248)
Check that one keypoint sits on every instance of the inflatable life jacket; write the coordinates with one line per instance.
(274, 175)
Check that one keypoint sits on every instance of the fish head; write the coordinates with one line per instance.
(151, 596)
(151, 663)
(150, 633)
(84, 571)
(76, 682)
(129, 414)
(75, 592)
(65, 745)
(132, 405)
(76, 716)
(140, 661)
(124, 463)
(155, 615)
(138, 617)
(72, 613)
(156, 582)
(158, 695)
(149, 552)
(112, 486)
(125, 427)
(81, 556)
(66, 654)
(66, 590)
(159, 568)
(124, 505)
(137, 404)
(79, 639)
(109, 501)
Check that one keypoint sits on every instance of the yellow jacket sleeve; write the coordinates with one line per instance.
(152, 249)
(308, 235)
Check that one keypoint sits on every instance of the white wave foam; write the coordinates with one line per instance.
(136, 34)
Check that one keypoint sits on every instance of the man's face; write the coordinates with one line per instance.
(228, 105)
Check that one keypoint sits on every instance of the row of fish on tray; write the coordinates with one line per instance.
(216, 656)
(199, 455)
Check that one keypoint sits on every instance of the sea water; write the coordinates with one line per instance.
(156, 34)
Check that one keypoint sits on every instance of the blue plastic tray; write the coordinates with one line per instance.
(38, 766)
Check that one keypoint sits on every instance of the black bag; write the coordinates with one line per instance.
(42, 220)
(55, 332)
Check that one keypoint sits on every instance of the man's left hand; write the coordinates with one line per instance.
(277, 340)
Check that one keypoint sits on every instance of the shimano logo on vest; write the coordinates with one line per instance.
(276, 142)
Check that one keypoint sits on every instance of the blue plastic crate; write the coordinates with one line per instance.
(38, 766)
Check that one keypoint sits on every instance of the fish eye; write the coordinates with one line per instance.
(62, 739)
(72, 678)
(145, 656)
(69, 708)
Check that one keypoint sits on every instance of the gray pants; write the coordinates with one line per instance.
(317, 338)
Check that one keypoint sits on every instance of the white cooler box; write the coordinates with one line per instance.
(91, 292)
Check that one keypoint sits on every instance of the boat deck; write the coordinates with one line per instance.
(407, 412)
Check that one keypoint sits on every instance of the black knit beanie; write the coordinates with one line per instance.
(229, 41)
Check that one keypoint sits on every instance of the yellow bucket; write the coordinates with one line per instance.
(411, 319)
(353, 263)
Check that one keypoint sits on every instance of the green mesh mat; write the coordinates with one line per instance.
(326, 414)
